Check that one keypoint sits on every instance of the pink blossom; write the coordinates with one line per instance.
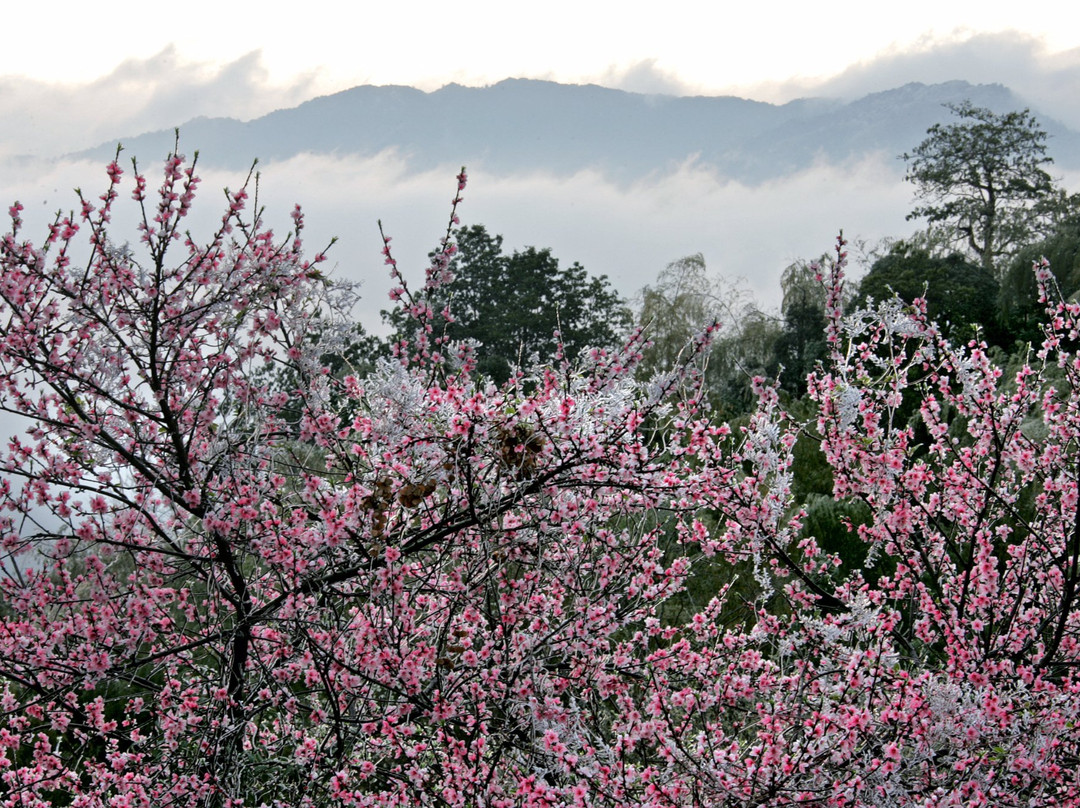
(413, 588)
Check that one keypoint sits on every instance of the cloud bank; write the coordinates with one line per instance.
(41, 119)
(1024, 63)
(628, 233)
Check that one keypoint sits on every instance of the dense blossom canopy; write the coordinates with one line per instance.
(450, 593)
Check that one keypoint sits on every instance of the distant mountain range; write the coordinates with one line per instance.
(521, 125)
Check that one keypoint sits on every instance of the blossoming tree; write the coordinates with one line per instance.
(428, 592)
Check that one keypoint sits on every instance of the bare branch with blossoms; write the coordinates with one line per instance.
(458, 593)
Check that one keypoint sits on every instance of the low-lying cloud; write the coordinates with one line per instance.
(628, 233)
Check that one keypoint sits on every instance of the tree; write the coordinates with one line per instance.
(524, 304)
(683, 302)
(801, 344)
(455, 597)
(961, 297)
(983, 176)
(675, 309)
(1019, 307)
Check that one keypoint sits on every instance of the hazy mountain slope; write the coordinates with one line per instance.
(521, 125)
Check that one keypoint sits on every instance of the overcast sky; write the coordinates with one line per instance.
(78, 74)
(708, 47)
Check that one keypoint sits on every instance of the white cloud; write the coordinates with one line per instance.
(645, 77)
(43, 119)
(1024, 63)
(628, 233)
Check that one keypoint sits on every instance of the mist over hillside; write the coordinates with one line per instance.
(521, 126)
(622, 182)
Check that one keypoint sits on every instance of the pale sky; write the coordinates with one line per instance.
(705, 47)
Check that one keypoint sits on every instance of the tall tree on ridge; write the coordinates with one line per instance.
(984, 176)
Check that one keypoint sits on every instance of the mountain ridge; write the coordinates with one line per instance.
(520, 125)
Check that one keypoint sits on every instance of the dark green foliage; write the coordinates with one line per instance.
(512, 305)
(1020, 311)
(800, 347)
(801, 343)
(960, 296)
(811, 472)
(834, 524)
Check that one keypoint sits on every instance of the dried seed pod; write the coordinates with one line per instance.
(412, 494)
(519, 450)
(384, 487)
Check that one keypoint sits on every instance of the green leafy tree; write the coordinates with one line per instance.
(1020, 311)
(801, 342)
(675, 308)
(524, 304)
(984, 176)
(960, 296)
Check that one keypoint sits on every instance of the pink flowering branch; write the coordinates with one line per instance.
(573, 590)
(426, 347)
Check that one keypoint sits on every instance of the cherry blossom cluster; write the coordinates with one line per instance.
(444, 592)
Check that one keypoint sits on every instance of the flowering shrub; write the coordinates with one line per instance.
(457, 595)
